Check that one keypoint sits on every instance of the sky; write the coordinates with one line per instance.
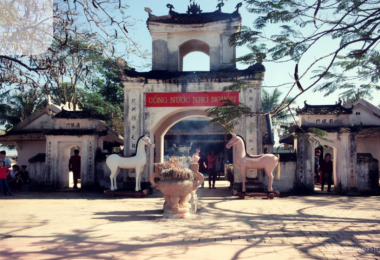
(276, 73)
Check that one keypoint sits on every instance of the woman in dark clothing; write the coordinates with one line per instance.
(212, 161)
(326, 169)
(202, 168)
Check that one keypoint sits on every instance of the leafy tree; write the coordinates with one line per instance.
(17, 106)
(80, 26)
(270, 100)
(353, 66)
(106, 96)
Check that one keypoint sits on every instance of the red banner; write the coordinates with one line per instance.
(192, 99)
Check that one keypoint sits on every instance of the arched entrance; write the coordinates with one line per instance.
(182, 136)
(189, 47)
(163, 126)
(66, 150)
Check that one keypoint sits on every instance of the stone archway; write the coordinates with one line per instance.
(192, 46)
(162, 127)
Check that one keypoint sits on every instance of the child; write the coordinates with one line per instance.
(3, 180)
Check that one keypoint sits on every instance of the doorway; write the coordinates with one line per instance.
(324, 150)
(66, 178)
(190, 134)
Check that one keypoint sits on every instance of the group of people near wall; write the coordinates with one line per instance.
(11, 180)
(323, 170)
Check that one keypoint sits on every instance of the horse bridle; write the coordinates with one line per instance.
(234, 142)
(148, 142)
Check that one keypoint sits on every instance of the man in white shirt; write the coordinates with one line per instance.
(3, 158)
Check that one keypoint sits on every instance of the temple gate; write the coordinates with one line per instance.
(158, 99)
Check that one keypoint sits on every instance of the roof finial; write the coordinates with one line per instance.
(194, 8)
(220, 5)
(238, 6)
(148, 10)
(170, 6)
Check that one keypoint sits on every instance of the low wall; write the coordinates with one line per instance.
(37, 173)
(367, 173)
(288, 165)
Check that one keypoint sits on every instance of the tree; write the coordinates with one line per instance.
(79, 26)
(106, 97)
(270, 100)
(352, 66)
(17, 106)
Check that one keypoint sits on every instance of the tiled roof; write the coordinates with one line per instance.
(78, 115)
(336, 109)
(41, 157)
(365, 157)
(177, 18)
(369, 131)
(180, 77)
(327, 129)
(287, 139)
(361, 131)
(23, 136)
(76, 132)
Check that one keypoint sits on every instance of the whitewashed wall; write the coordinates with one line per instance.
(28, 149)
(287, 179)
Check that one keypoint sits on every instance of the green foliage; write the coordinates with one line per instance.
(365, 68)
(271, 101)
(16, 106)
(228, 114)
(355, 62)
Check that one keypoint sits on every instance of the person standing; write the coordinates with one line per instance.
(326, 169)
(75, 166)
(3, 180)
(316, 166)
(22, 177)
(3, 158)
(212, 161)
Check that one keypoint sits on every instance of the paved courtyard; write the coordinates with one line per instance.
(69, 225)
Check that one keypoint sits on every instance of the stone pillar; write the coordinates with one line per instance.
(304, 182)
(49, 162)
(88, 175)
(346, 163)
(253, 124)
(133, 122)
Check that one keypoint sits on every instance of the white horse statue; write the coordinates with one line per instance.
(245, 161)
(116, 162)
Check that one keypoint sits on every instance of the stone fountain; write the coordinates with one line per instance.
(178, 186)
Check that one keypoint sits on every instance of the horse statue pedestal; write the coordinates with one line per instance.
(178, 187)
